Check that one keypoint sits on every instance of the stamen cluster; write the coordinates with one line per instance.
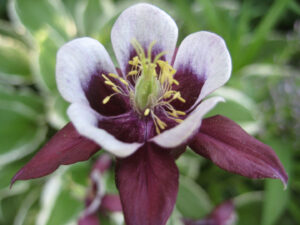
(148, 85)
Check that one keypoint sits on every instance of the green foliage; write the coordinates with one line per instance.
(19, 112)
(192, 200)
(275, 200)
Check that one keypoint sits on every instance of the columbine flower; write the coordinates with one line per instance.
(148, 111)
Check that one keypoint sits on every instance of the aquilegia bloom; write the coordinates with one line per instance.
(148, 111)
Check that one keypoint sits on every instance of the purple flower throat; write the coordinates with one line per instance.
(149, 87)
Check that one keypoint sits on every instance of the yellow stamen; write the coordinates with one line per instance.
(105, 77)
(107, 98)
(109, 83)
(147, 111)
(178, 120)
(150, 49)
(132, 73)
(160, 93)
(123, 81)
(156, 128)
(116, 89)
(181, 99)
(160, 123)
(113, 75)
(173, 113)
(135, 61)
(159, 56)
(168, 94)
(178, 96)
(180, 113)
(175, 82)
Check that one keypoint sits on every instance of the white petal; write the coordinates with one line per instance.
(145, 23)
(206, 55)
(76, 62)
(85, 121)
(181, 133)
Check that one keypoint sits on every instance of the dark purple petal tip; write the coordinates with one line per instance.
(226, 144)
(65, 147)
(148, 185)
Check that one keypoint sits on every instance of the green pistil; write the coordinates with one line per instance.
(146, 90)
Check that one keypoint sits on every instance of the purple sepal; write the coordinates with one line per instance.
(65, 147)
(148, 185)
(226, 144)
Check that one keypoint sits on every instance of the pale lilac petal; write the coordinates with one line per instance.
(145, 23)
(184, 131)
(76, 63)
(205, 56)
(86, 121)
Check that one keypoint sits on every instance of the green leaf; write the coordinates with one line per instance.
(276, 10)
(294, 210)
(58, 205)
(25, 206)
(80, 172)
(43, 14)
(66, 208)
(22, 127)
(175, 218)
(189, 164)
(92, 16)
(47, 61)
(192, 200)
(238, 107)
(25, 96)
(211, 15)
(57, 111)
(14, 61)
(276, 199)
(10, 31)
(249, 214)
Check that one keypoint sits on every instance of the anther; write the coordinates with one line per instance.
(109, 83)
(132, 73)
(175, 82)
(107, 98)
(147, 111)
(123, 81)
(180, 113)
(113, 75)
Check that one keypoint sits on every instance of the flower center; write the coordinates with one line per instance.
(151, 87)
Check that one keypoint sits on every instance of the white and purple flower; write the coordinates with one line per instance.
(147, 112)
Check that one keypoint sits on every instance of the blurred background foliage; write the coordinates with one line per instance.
(262, 95)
